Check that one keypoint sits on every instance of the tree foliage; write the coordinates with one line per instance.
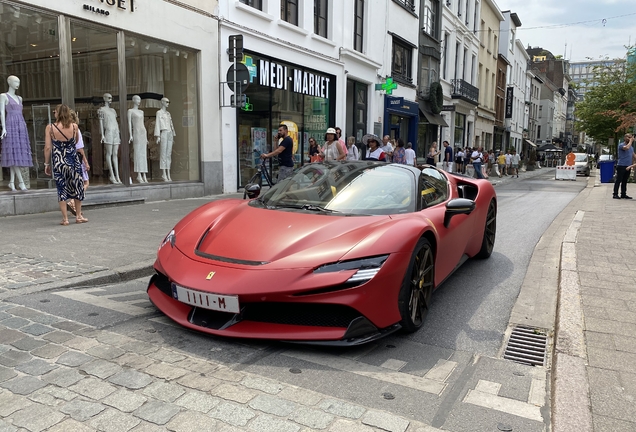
(609, 106)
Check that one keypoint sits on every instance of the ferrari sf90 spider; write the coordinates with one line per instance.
(339, 253)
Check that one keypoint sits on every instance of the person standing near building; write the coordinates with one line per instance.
(341, 141)
(284, 152)
(399, 153)
(625, 159)
(459, 160)
(387, 148)
(448, 157)
(409, 153)
(432, 154)
(352, 150)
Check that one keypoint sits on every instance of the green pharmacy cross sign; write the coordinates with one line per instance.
(388, 86)
(248, 106)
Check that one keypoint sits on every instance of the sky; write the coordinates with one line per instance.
(603, 27)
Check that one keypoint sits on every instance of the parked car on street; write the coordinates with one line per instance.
(340, 253)
(583, 163)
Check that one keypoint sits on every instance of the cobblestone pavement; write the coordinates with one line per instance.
(59, 375)
(18, 271)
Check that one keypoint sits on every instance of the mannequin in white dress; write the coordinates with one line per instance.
(164, 132)
(139, 138)
(110, 137)
(16, 147)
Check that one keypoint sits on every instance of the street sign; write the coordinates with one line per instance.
(235, 50)
(242, 78)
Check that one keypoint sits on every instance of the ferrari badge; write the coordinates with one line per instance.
(210, 275)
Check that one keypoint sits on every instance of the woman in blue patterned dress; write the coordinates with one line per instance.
(59, 149)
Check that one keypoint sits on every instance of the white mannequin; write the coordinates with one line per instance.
(14, 84)
(110, 136)
(139, 138)
(164, 132)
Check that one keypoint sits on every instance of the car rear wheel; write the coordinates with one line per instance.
(417, 288)
(490, 231)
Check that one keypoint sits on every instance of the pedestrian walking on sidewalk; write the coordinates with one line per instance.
(625, 159)
(60, 152)
(501, 162)
(514, 162)
(477, 159)
(399, 153)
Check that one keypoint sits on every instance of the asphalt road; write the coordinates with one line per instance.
(426, 373)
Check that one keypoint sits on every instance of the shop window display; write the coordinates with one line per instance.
(29, 52)
(162, 94)
(273, 103)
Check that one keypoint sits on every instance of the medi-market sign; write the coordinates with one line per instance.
(300, 81)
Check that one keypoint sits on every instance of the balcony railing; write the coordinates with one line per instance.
(463, 90)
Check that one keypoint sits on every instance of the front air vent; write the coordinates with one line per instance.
(527, 346)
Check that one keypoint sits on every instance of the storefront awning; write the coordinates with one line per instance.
(531, 143)
(435, 119)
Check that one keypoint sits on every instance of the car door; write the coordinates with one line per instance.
(435, 192)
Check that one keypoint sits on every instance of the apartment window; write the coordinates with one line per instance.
(289, 11)
(457, 46)
(538, 132)
(408, 4)
(256, 4)
(489, 38)
(429, 21)
(467, 11)
(358, 25)
(475, 20)
(445, 56)
(472, 70)
(401, 64)
(459, 8)
(320, 17)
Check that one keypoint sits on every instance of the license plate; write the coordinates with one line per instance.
(217, 302)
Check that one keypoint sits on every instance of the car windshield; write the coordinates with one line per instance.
(580, 157)
(345, 188)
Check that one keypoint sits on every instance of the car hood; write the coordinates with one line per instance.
(251, 236)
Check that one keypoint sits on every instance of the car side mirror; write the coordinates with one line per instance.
(457, 206)
(253, 190)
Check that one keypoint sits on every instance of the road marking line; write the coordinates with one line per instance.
(85, 296)
(441, 371)
(369, 371)
(536, 395)
(393, 364)
(500, 403)
(359, 352)
(488, 387)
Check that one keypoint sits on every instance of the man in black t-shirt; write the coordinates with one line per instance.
(284, 151)
(448, 156)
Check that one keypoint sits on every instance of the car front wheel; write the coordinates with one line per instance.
(417, 288)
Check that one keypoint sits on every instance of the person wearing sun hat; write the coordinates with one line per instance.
(332, 150)
(374, 151)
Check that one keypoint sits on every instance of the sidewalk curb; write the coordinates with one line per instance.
(110, 276)
(571, 408)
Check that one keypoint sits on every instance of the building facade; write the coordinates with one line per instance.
(428, 86)
(460, 51)
(490, 19)
(95, 57)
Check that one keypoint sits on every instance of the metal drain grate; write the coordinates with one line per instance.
(527, 345)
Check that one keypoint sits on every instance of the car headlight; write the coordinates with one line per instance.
(367, 268)
(170, 238)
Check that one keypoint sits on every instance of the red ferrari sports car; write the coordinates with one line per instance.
(339, 253)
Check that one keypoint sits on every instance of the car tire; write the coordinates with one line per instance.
(490, 232)
(417, 288)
